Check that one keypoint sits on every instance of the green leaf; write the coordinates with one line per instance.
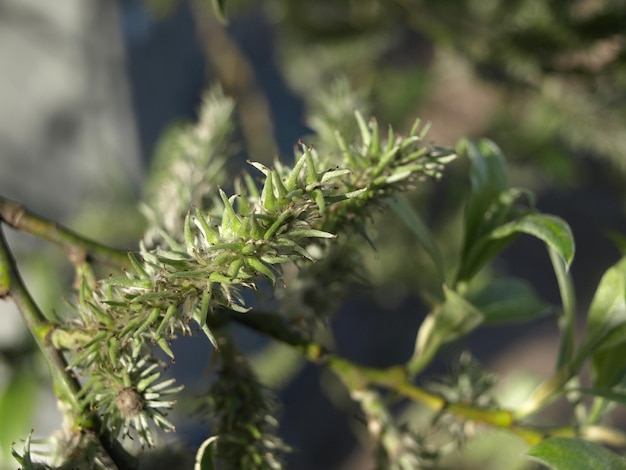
(608, 307)
(385, 160)
(375, 144)
(366, 135)
(491, 203)
(219, 7)
(454, 318)
(311, 172)
(562, 453)
(553, 231)
(189, 238)
(205, 457)
(332, 174)
(414, 222)
(618, 396)
(608, 366)
(292, 180)
(231, 223)
(508, 300)
(607, 323)
(262, 268)
(268, 198)
(203, 223)
(353, 194)
(488, 179)
(607, 313)
(165, 347)
(279, 185)
(479, 247)
(25, 458)
(124, 281)
(309, 233)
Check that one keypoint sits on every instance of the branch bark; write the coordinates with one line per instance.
(78, 248)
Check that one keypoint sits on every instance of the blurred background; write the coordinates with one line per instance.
(88, 87)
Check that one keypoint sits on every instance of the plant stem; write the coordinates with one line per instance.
(568, 317)
(78, 248)
(395, 378)
(65, 384)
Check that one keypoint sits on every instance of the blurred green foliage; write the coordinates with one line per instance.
(546, 80)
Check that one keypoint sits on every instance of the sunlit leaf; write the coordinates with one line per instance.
(205, 457)
(561, 453)
(552, 230)
(607, 312)
(219, 7)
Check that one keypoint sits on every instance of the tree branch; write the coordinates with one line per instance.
(78, 248)
(66, 386)
(396, 378)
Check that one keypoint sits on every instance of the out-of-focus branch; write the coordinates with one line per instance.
(78, 248)
(238, 79)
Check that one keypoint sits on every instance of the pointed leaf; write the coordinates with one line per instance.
(205, 457)
(562, 453)
(454, 318)
(607, 313)
(261, 268)
(478, 245)
(268, 198)
(165, 347)
(311, 172)
(310, 233)
(204, 225)
(618, 396)
(219, 9)
(488, 179)
(366, 136)
(209, 334)
(416, 125)
(608, 307)
(292, 180)
(375, 144)
(231, 222)
(259, 166)
(356, 193)
(385, 160)
(279, 185)
(332, 174)
(553, 231)
(608, 365)
(189, 238)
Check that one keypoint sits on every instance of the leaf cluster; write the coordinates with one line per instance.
(223, 251)
(196, 266)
